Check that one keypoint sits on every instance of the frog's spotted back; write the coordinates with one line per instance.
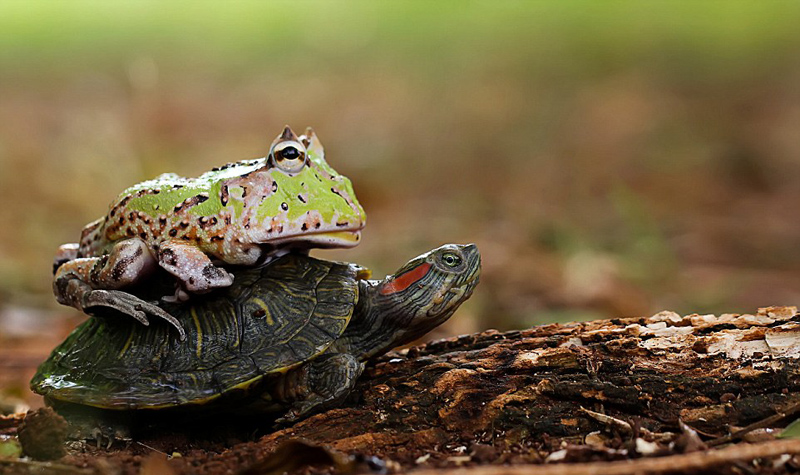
(262, 200)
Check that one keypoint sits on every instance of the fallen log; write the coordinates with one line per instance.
(590, 392)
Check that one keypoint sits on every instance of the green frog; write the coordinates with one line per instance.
(240, 214)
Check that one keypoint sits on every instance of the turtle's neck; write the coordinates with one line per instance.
(381, 322)
(375, 325)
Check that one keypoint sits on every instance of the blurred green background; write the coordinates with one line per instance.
(609, 158)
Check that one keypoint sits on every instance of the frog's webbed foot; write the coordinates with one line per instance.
(89, 282)
(129, 305)
(77, 293)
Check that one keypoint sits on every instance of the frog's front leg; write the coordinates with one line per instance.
(90, 282)
(128, 262)
(65, 253)
(192, 267)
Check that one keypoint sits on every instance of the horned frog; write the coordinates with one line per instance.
(241, 214)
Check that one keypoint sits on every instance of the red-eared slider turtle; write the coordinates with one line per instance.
(294, 334)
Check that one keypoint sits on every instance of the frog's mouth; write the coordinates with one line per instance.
(334, 238)
(347, 238)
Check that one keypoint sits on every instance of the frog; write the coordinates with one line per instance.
(244, 213)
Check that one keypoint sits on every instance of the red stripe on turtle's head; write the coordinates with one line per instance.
(403, 281)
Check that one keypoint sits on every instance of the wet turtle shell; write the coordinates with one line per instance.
(269, 321)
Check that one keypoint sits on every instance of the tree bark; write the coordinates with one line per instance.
(663, 386)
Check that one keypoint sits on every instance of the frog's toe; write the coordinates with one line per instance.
(130, 305)
(140, 317)
(158, 312)
(179, 296)
(216, 277)
(120, 301)
(209, 278)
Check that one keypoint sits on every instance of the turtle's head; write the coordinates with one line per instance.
(428, 289)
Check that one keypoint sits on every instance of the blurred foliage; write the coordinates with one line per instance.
(609, 158)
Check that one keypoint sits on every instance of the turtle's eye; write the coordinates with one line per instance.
(289, 156)
(451, 260)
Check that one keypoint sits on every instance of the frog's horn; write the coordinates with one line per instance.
(287, 134)
(312, 143)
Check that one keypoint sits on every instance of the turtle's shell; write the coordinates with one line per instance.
(270, 320)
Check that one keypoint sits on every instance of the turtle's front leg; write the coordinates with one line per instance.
(89, 282)
(321, 384)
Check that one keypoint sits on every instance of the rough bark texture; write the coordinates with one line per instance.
(593, 391)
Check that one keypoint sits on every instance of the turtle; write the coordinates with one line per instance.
(291, 337)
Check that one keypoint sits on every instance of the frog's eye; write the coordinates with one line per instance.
(289, 156)
(451, 259)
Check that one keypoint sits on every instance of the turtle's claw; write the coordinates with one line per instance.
(97, 436)
(105, 436)
(285, 421)
(130, 305)
(292, 415)
(100, 437)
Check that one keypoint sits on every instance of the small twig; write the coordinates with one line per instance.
(701, 432)
(694, 461)
(153, 449)
(623, 426)
(766, 422)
